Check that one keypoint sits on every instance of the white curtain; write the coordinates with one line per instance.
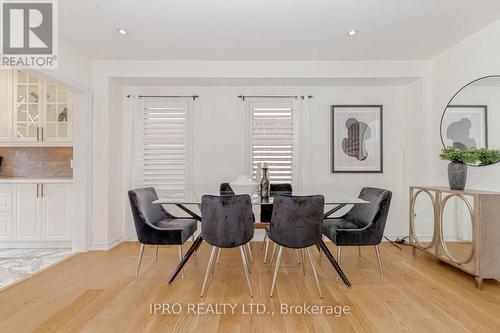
(304, 167)
(135, 111)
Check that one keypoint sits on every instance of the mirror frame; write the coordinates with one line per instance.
(451, 100)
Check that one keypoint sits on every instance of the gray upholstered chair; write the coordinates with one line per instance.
(155, 226)
(227, 223)
(363, 225)
(266, 211)
(296, 223)
(225, 189)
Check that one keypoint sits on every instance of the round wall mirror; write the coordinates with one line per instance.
(464, 123)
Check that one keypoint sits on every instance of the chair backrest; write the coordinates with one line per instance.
(280, 189)
(297, 220)
(144, 212)
(225, 189)
(373, 213)
(227, 221)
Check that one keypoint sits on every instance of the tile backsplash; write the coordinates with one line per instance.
(36, 162)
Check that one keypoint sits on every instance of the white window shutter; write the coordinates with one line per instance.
(272, 138)
(165, 141)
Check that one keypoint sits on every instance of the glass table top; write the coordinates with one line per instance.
(195, 199)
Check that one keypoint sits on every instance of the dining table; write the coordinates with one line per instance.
(333, 203)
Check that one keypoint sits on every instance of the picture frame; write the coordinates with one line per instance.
(477, 115)
(356, 138)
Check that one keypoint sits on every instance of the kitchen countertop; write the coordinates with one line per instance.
(31, 180)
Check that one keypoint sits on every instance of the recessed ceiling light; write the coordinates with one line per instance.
(122, 31)
(352, 33)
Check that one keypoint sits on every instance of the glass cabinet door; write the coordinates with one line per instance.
(28, 107)
(57, 116)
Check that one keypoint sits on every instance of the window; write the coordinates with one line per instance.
(272, 138)
(164, 150)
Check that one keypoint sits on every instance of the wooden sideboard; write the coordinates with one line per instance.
(478, 253)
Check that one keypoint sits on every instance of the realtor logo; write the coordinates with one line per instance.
(28, 34)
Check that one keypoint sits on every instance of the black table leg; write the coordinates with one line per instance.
(327, 252)
(190, 212)
(333, 210)
(196, 244)
(334, 263)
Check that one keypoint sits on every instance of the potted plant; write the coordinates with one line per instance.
(457, 169)
(488, 156)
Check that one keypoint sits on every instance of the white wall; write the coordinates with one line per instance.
(219, 136)
(472, 58)
(219, 114)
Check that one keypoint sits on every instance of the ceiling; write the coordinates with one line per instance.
(271, 29)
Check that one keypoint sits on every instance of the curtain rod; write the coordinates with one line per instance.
(296, 97)
(166, 96)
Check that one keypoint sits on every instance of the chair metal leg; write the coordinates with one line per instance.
(218, 255)
(272, 257)
(359, 251)
(249, 249)
(245, 270)
(207, 271)
(314, 271)
(245, 251)
(266, 250)
(377, 252)
(303, 261)
(156, 253)
(139, 260)
(297, 254)
(276, 270)
(339, 258)
(264, 241)
(219, 250)
(181, 256)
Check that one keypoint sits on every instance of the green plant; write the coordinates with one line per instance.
(465, 156)
(488, 156)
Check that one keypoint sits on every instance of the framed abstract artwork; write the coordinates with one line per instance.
(465, 126)
(357, 138)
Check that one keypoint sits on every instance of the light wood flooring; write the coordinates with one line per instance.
(98, 292)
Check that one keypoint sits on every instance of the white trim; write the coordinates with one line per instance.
(107, 246)
(190, 146)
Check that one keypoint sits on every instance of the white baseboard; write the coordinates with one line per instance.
(35, 244)
(107, 246)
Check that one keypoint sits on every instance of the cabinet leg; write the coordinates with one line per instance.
(479, 283)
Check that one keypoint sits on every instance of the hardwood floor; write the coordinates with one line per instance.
(98, 292)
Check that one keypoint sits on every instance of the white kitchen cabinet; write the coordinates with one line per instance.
(35, 213)
(33, 112)
(5, 225)
(27, 212)
(42, 112)
(56, 211)
(5, 198)
(57, 116)
(6, 106)
(28, 107)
